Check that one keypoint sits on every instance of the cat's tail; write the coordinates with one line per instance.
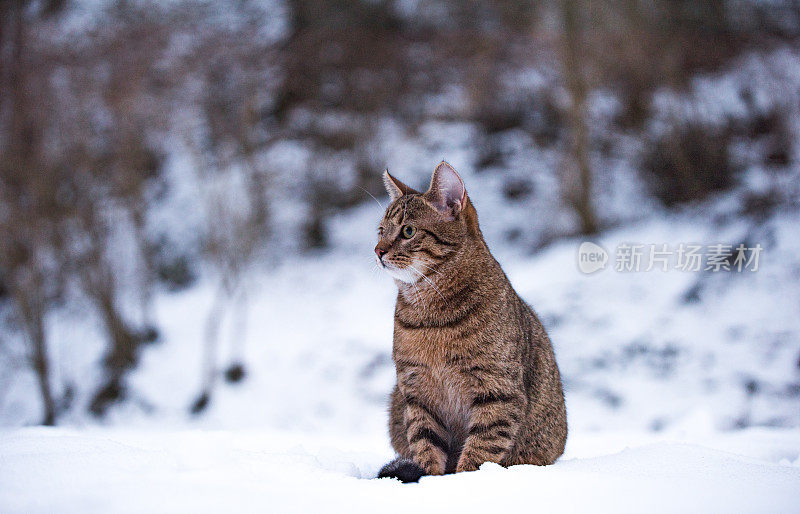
(405, 470)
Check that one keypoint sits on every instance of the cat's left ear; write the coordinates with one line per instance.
(447, 192)
(394, 187)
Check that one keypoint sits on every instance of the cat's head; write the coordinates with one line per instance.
(421, 231)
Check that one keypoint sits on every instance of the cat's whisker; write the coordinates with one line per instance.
(429, 281)
(419, 295)
(376, 200)
(430, 268)
(374, 265)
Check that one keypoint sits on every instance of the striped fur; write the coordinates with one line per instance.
(477, 379)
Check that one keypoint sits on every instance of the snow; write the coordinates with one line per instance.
(114, 470)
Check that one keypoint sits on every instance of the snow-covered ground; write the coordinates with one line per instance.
(63, 470)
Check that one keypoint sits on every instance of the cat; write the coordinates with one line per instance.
(477, 379)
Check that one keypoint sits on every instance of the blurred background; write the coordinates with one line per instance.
(190, 190)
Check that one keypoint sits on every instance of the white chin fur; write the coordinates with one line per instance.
(403, 275)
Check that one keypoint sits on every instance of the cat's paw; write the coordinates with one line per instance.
(405, 470)
(466, 464)
(434, 467)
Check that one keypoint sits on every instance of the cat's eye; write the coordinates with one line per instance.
(408, 231)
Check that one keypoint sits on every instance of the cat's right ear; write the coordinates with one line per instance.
(447, 192)
(394, 187)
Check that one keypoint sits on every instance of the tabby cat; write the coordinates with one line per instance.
(477, 379)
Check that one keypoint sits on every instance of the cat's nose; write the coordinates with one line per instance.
(380, 251)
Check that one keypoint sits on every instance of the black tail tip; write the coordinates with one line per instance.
(405, 470)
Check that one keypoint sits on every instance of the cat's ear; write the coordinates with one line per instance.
(447, 192)
(394, 187)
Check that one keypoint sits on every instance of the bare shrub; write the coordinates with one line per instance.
(688, 163)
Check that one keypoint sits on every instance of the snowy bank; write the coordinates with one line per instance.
(112, 470)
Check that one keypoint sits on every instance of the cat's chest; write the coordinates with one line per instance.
(432, 368)
(435, 347)
(439, 382)
(445, 392)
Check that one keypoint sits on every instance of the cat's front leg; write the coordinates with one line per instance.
(494, 419)
(427, 437)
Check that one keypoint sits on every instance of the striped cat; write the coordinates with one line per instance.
(477, 379)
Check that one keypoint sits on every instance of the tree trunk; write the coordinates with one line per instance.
(580, 194)
(32, 313)
(123, 342)
(120, 357)
(42, 366)
(210, 349)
